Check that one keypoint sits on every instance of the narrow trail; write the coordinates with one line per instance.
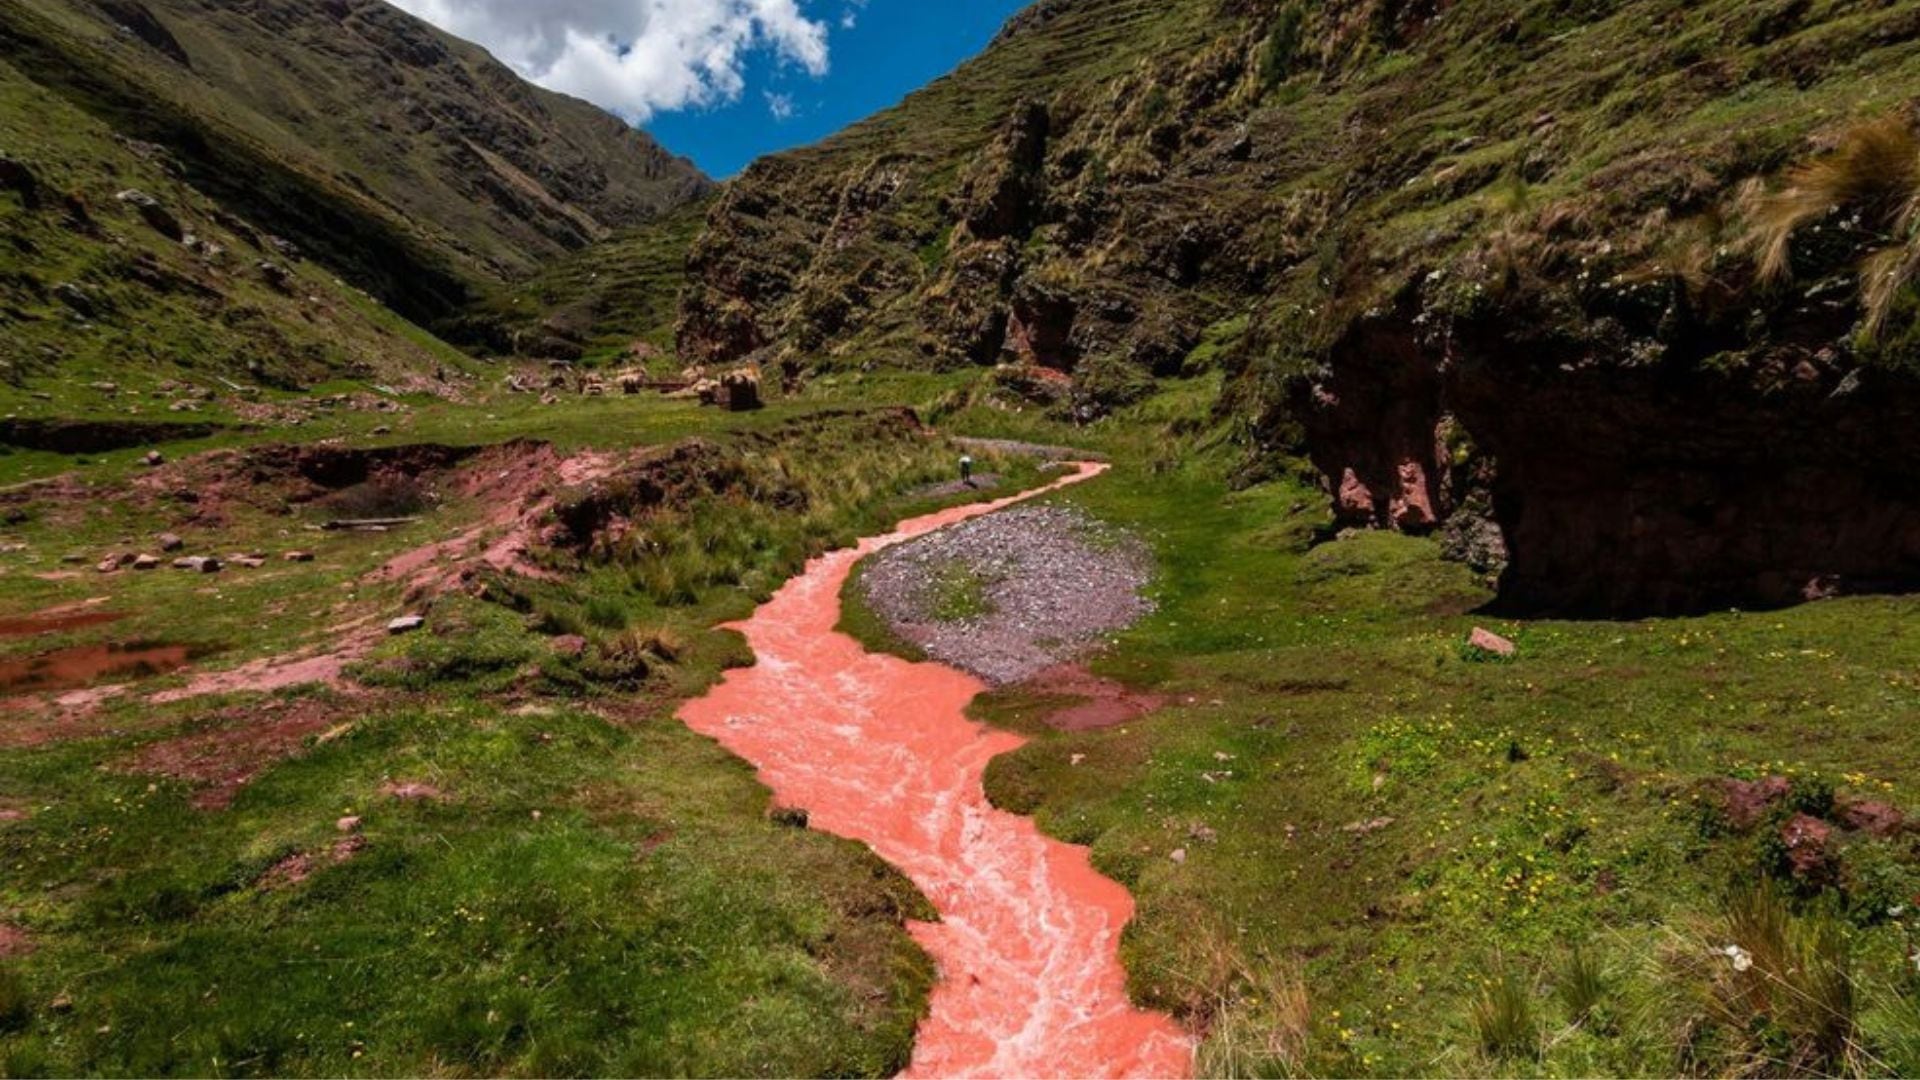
(880, 750)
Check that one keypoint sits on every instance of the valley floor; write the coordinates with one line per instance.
(1356, 845)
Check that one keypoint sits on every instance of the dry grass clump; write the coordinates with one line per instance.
(1872, 179)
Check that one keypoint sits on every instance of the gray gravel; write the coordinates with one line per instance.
(1054, 583)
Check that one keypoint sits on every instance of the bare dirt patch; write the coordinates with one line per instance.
(1098, 702)
(1010, 595)
(242, 743)
(14, 941)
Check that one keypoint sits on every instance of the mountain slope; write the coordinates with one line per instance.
(1428, 240)
(410, 161)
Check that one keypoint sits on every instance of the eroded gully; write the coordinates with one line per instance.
(880, 750)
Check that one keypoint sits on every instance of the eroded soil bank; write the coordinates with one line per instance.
(880, 750)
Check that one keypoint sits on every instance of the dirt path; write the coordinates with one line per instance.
(880, 750)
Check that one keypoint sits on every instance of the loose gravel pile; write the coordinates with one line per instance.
(1052, 582)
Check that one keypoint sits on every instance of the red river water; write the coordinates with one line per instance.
(880, 750)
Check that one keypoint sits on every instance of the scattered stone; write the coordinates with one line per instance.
(170, 542)
(299, 556)
(1050, 582)
(348, 824)
(76, 298)
(1873, 818)
(569, 645)
(248, 561)
(1178, 855)
(1368, 827)
(157, 216)
(406, 624)
(61, 1003)
(146, 562)
(410, 791)
(109, 564)
(1489, 642)
(199, 564)
(383, 430)
(155, 459)
(793, 817)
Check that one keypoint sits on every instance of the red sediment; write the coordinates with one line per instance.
(84, 664)
(58, 620)
(1102, 702)
(880, 750)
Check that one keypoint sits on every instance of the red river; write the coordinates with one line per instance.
(880, 750)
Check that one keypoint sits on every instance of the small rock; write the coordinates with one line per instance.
(170, 542)
(1809, 844)
(406, 624)
(793, 817)
(109, 564)
(61, 1003)
(248, 561)
(348, 824)
(153, 213)
(75, 558)
(1489, 642)
(155, 458)
(569, 645)
(299, 556)
(1873, 818)
(1366, 828)
(146, 562)
(383, 430)
(1178, 855)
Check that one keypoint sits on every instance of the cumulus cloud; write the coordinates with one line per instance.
(780, 106)
(635, 57)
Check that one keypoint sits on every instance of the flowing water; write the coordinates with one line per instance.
(880, 750)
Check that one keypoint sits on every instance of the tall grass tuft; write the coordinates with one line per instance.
(1873, 176)
(1584, 988)
(1503, 1016)
(1782, 988)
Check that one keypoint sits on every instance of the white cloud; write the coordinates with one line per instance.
(635, 57)
(780, 105)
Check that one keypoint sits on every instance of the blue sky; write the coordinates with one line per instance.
(893, 47)
(724, 81)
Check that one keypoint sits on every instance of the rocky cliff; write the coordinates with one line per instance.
(1560, 277)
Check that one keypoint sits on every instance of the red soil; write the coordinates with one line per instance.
(1103, 703)
(84, 664)
(57, 620)
(222, 759)
(880, 750)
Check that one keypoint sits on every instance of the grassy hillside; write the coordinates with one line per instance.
(101, 309)
(408, 161)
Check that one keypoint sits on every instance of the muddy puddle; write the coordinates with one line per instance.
(880, 750)
(55, 622)
(84, 665)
